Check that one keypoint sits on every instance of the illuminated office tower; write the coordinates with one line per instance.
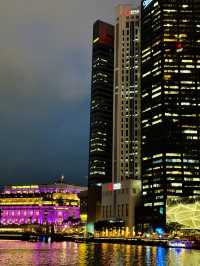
(126, 105)
(170, 104)
(126, 116)
(101, 115)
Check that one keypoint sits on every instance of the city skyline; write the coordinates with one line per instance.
(100, 136)
(43, 51)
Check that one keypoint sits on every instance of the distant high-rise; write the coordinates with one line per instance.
(170, 103)
(101, 115)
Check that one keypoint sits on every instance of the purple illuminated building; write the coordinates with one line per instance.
(55, 204)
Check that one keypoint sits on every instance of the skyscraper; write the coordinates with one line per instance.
(170, 103)
(101, 115)
(126, 106)
(126, 120)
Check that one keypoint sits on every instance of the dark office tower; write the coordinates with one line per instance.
(170, 105)
(101, 115)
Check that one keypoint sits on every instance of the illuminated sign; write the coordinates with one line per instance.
(22, 187)
(117, 186)
(128, 12)
(110, 187)
(146, 3)
(134, 12)
(179, 47)
(105, 35)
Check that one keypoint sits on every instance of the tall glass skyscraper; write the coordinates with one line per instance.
(170, 104)
(101, 115)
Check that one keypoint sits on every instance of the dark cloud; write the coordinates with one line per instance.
(45, 65)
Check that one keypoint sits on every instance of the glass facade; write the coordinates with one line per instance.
(170, 102)
(100, 153)
(101, 115)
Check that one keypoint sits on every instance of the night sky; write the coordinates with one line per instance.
(45, 66)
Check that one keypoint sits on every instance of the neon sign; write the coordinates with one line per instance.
(146, 3)
(134, 12)
(128, 12)
(110, 187)
(115, 186)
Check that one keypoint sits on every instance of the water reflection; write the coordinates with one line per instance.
(17, 253)
(161, 256)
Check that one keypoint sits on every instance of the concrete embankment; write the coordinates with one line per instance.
(130, 241)
(114, 240)
(58, 237)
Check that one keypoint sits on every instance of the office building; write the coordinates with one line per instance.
(126, 106)
(170, 104)
(101, 116)
(119, 202)
(120, 197)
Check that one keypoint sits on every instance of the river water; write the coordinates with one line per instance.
(19, 253)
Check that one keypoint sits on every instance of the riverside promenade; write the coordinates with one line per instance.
(174, 243)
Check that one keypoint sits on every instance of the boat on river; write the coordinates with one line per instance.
(180, 243)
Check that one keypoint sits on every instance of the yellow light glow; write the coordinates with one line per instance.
(83, 217)
(21, 201)
(21, 187)
(167, 77)
(66, 196)
(14, 229)
(96, 40)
